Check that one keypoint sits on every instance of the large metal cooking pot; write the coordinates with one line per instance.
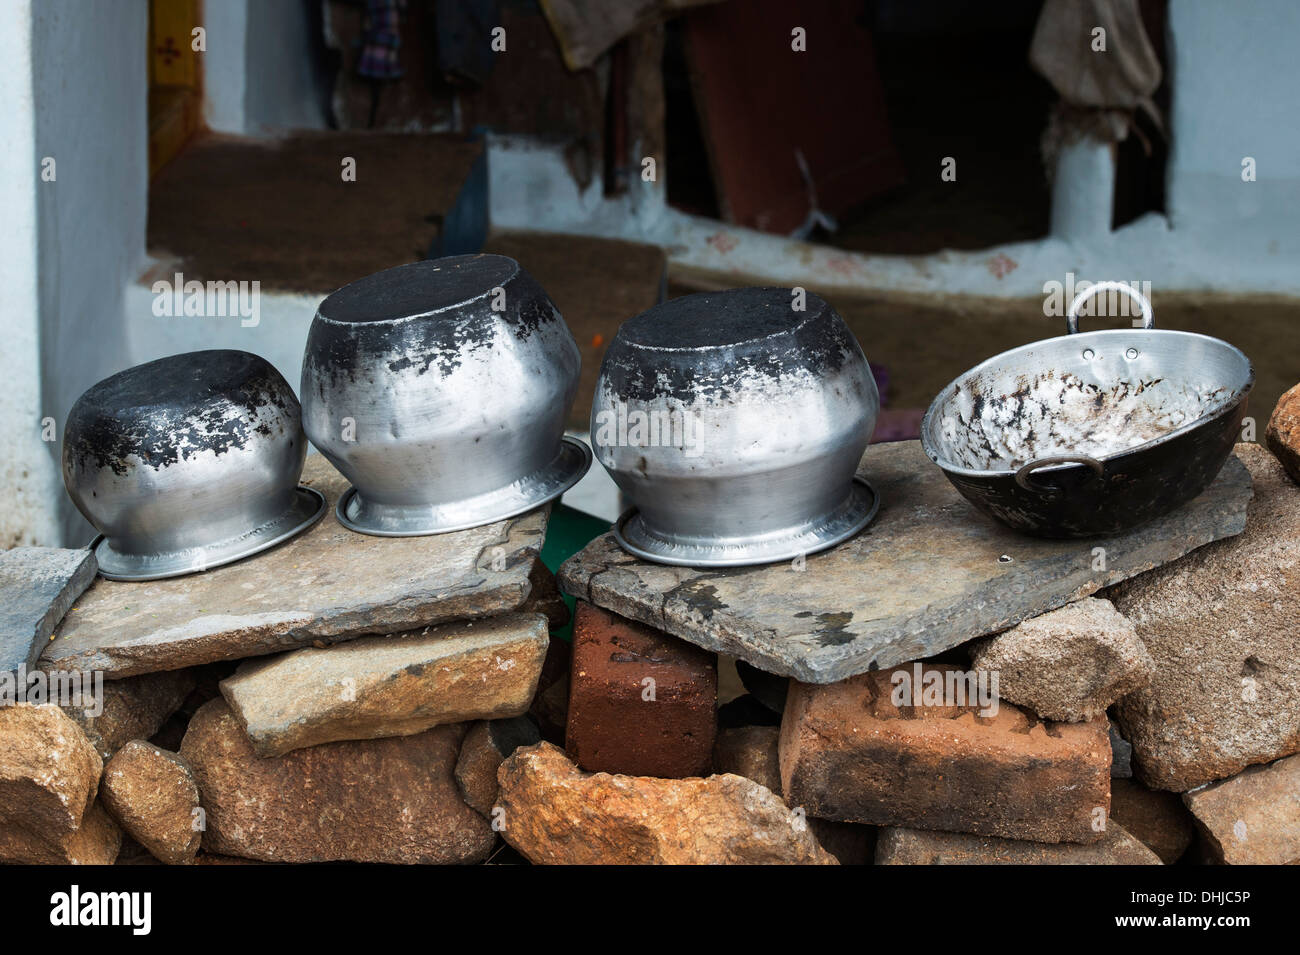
(187, 463)
(440, 390)
(1091, 433)
(734, 423)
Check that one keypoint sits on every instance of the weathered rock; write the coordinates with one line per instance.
(95, 841)
(919, 847)
(386, 800)
(37, 586)
(545, 597)
(49, 772)
(1221, 627)
(324, 586)
(153, 795)
(641, 703)
(823, 625)
(750, 751)
(1158, 820)
(730, 685)
(396, 685)
(554, 813)
(1254, 817)
(134, 708)
(485, 746)
(848, 752)
(1068, 664)
(1283, 432)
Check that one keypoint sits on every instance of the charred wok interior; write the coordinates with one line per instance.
(1091, 433)
(1047, 399)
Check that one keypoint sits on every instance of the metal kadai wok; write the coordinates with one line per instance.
(1091, 433)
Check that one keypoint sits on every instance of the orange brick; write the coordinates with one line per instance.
(848, 753)
(641, 702)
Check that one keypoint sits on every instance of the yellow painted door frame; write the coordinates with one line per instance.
(175, 77)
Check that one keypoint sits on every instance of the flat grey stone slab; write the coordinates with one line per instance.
(925, 576)
(37, 586)
(327, 585)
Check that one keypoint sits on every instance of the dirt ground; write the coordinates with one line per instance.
(280, 211)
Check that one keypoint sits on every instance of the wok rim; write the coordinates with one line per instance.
(949, 468)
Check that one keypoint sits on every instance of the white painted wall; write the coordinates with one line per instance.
(261, 73)
(284, 90)
(279, 335)
(89, 80)
(1083, 191)
(1236, 86)
(29, 476)
(224, 72)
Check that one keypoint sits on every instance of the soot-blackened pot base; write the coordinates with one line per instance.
(168, 410)
(422, 316)
(702, 346)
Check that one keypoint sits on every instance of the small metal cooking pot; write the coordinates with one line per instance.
(734, 424)
(1091, 433)
(440, 390)
(187, 463)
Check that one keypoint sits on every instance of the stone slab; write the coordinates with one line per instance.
(395, 685)
(37, 586)
(328, 585)
(925, 576)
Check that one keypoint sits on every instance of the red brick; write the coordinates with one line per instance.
(613, 727)
(848, 753)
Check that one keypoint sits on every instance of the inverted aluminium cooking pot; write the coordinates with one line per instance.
(734, 422)
(440, 390)
(1091, 433)
(187, 463)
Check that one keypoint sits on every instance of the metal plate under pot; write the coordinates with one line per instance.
(857, 511)
(307, 508)
(419, 520)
